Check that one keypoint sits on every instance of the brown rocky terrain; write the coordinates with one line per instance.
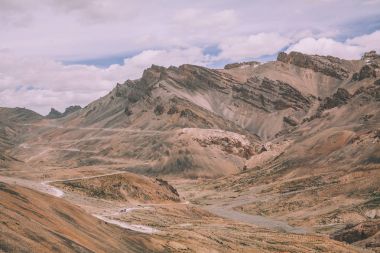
(123, 187)
(35, 222)
(365, 234)
(267, 157)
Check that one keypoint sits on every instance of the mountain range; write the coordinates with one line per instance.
(287, 150)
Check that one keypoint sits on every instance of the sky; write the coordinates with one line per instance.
(56, 53)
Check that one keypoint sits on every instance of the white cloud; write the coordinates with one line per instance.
(253, 46)
(350, 49)
(367, 42)
(198, 19)
(326, 46)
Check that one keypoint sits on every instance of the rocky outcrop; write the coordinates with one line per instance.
(228, 145)
(358, 232)
(370, 57)
(290, 121)
(340, 97)
(54, 114)
(328, 65)
(159, 109)
(270, 95)
(123, 187)
(71, 109)
(367, 71)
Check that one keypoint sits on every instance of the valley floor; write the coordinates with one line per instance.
(203, 221)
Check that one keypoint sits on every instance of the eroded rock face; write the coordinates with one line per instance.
(54, 114)
(340, 97)
(290, 121)
(328, 65)
(228, 145)
(354, 233)
(370, 56)
(269, 95)
(159, 110)
(367, 71)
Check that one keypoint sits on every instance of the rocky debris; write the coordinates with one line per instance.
(159, 109)
(228, 145)
(366, 117)
(373, 213)
(377, 82)
(328, 65)
(187, 113)
(367, 71)
(340, 97)
(263, 149)
(54, 114)
(376, 134)
(369, 93)
(241, 64)
(167, 185)
(127, 111)
(172, 110)
(353, 233)
(290, 121)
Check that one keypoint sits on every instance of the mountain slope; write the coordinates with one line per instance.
(35, 222)
(322, 174)
(145, 120)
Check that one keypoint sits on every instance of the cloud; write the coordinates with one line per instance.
(326, 46)
(367, 42)
(350, 49)
(75, 30)
(195, 19)
(253, 46)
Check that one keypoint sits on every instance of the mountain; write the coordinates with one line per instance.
(35, 222)
(9, 132)
(291, 145)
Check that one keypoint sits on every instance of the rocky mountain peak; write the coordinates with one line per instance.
(55, 114)
(71, 109)
(371, 69)
(328, 65)
(152, 74)
(370, 56)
